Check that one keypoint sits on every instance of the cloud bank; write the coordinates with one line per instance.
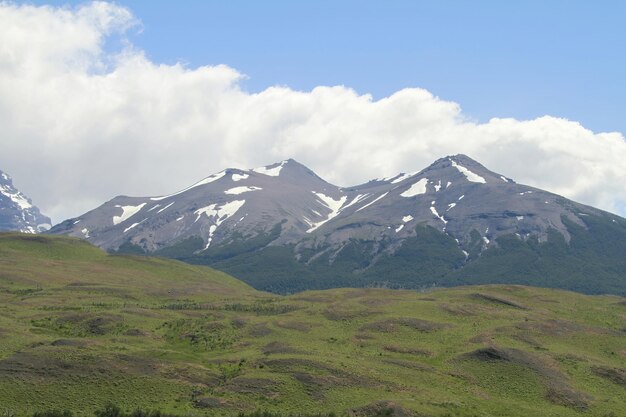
(80, 124)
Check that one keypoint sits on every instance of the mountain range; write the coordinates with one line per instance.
(282, 228)
(17, 212)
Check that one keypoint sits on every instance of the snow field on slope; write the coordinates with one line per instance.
(330, 203)
(468, 174)
(416, 189)
(127, 213)
(241, 190)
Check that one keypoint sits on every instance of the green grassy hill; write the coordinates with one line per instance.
(80, 328)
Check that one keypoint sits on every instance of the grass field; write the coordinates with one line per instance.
(80, 328)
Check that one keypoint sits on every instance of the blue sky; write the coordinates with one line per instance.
(495, 58)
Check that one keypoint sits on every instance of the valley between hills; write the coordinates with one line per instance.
(81, 328)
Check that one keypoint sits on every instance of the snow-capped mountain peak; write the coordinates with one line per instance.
(17, 212)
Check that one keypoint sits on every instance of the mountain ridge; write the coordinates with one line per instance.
(235, 217)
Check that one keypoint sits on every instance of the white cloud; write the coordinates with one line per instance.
(80, 125)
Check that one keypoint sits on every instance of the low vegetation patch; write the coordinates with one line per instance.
(392, 325)
(615, 375)
(294, 325)
(558, 389)
(380, 409)
(276, 347)
(83, 324)
(409, 365)
(497, 300)
(408, 350)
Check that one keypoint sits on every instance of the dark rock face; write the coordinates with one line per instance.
(17, 212)
(283, 228)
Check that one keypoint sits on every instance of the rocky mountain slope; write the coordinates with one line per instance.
(17, 212)
(283, 228)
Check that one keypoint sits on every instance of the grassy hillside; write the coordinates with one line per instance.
(36, 263)
(80, 328)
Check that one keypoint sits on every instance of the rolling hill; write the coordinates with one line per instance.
(80, 328)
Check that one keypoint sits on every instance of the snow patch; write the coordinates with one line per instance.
(272, 172)
(407, 219)
(519, 218)
(212, 230)
(436, 214)
(241, 190)
(127, 212)
(505, 179)
(154, 207)
(239, 177)
(85, 233)
(219, 214)
(438, 186)
(166, 207)
(468, 174)
(134, 225)
(451, 206)
(16, 196)
(399, 228)
(207, 180)
(461, 198)
(354, 201)
(372, 202)
(403, 177)
(448, 184)
(180, 218)
(332, 204)
(416, 189)
(77, 221)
